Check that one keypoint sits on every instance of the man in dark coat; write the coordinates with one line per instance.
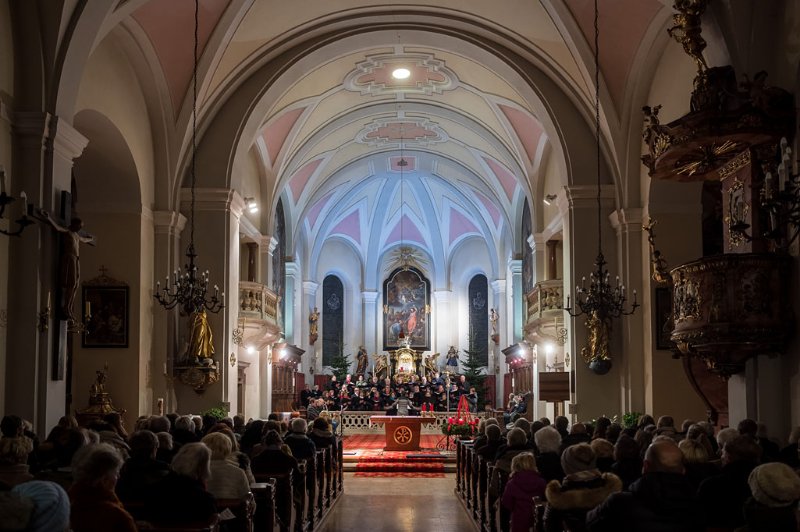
(722, 496)
(662, 500)
(298, 441)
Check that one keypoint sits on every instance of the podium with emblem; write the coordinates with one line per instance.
(402, 432)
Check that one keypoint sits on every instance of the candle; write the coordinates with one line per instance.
(88, 310)
(24, 198)
(48, 300)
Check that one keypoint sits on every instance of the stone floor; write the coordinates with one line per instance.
(398, 505)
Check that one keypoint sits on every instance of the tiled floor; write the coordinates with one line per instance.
(398, 505)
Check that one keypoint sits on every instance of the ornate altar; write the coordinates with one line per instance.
(404, 362)
(100, 402)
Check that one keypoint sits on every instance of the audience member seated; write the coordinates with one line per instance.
(724, 436)
(142, 470)
(227, 480)
(14, 467)
(95, 506)
(235, 457)
(66, 422)
(158, 424)
(184, 432)
(583, 488)
(165, 450)
(776, 490)
(297, 440)
(115, 421)
(561, 423)
(604, 451)
(322, 436)
(273, 458)
(516, 443)
(723, 495)
(769, 449)
(181, 496)
(627, 461)
(666, 427)
(695, 459)
(251, 437)
(613, 432)
(601, 427)
(59, 470)
(50, 508)
(524, 484)
(548, 462)
(577, 434)
(790, 455)
(644, 437)
(662, 500)
(494, 439)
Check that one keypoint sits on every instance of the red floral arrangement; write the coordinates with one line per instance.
(463, 424)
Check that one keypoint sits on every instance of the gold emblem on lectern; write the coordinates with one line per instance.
(402, 435)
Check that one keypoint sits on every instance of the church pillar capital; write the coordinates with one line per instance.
(499, 286)
(213, 199)
(67, 141)
(310, 288)
(169, 223)
(369, 296)
(627, 220)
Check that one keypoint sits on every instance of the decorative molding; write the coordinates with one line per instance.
(310, 288)
(627, 220)
(373, 76)
(370, 296)
(412, 131)
(67, 141)
(168, 222)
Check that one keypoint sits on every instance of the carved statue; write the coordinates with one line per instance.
(99, 386)
(493, 321)
(313, 320)
(362, 360)
(598, 338)
(379, 367)
(660, 267)
(69, 266)
(430, 366)
(452, 359)
(686, 30)
(201, 340)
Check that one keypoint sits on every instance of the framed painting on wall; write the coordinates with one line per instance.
(406, 310)
(105, 310)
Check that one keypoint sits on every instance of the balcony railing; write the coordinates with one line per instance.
(545, 299)
(256, 301)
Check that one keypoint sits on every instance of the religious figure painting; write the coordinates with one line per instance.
(406, 295)
(105, 310)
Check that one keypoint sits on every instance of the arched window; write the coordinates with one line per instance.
(332, 318)
(279, 262)
(479, 317)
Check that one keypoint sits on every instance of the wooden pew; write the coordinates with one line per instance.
(244, 510)
(265, 519)
(480, 492)
(312, 489)
(489, 523)
(301, 499)
(285, 507)
(340, 466)
(210, 526)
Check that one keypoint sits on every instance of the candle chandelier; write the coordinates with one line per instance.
(601, 301)
(189, 288)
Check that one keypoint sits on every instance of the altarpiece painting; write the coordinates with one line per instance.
(406, 310)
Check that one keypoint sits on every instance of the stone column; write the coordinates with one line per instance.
(517, 304)
(216, 241)
(594, 395)
(269, 275)
(310, 358)
(291, 320)
(552, 260)
(504, 306)
(538, 244)
(168, 226)
(445, 331)
(632, 257)
(371, 320)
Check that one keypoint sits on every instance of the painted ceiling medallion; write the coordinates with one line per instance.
(414, 132)
(427, 75)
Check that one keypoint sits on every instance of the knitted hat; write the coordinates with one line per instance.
(774, 485)
(50, 505)
(576, 458)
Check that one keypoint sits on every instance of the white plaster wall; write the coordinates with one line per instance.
(110, 86)
(468, 260)
(340, 259)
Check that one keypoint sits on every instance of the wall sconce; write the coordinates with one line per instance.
(548, 199)
(252, 206)
(23, 221)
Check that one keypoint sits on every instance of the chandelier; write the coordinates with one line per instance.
(189, 288)
(601, 301)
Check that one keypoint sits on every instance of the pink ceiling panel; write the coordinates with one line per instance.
(504, 175)
(349, 226)
(300, 178)
(169, 24)
(622, 27)
(313, 213)
(275, 134)
(491, 208)
(527, 128)
(460, 225)
(410, 233)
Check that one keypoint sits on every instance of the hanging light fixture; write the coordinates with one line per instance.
(404, 256)
(189, 289)
(600, 301)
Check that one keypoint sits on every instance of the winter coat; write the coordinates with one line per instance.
(518, 498)
(657, 502)
(722, 496)
(570, 500)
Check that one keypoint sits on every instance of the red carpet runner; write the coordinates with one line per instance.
(366, 450)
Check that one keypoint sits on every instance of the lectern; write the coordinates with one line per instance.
(402, 432)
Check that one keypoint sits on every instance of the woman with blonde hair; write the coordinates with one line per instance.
(696, 461)
(524, 484)
(227, 480)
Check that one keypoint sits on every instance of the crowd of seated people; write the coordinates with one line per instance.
(651, 477)
(169, 469)
(418, 394)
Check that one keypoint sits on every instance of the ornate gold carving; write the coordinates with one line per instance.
(738, 209)
(687, 302)
(686, 29)
(705, 158)
(199, 378)
(734, 165)
(660, 271)
(402, 435)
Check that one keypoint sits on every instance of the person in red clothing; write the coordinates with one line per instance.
(525, 484)
(95, 506)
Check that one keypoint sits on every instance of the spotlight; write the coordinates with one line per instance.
(549, 199)
(549, 348)
(251, 350)
(401, 73)
(251, 205)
